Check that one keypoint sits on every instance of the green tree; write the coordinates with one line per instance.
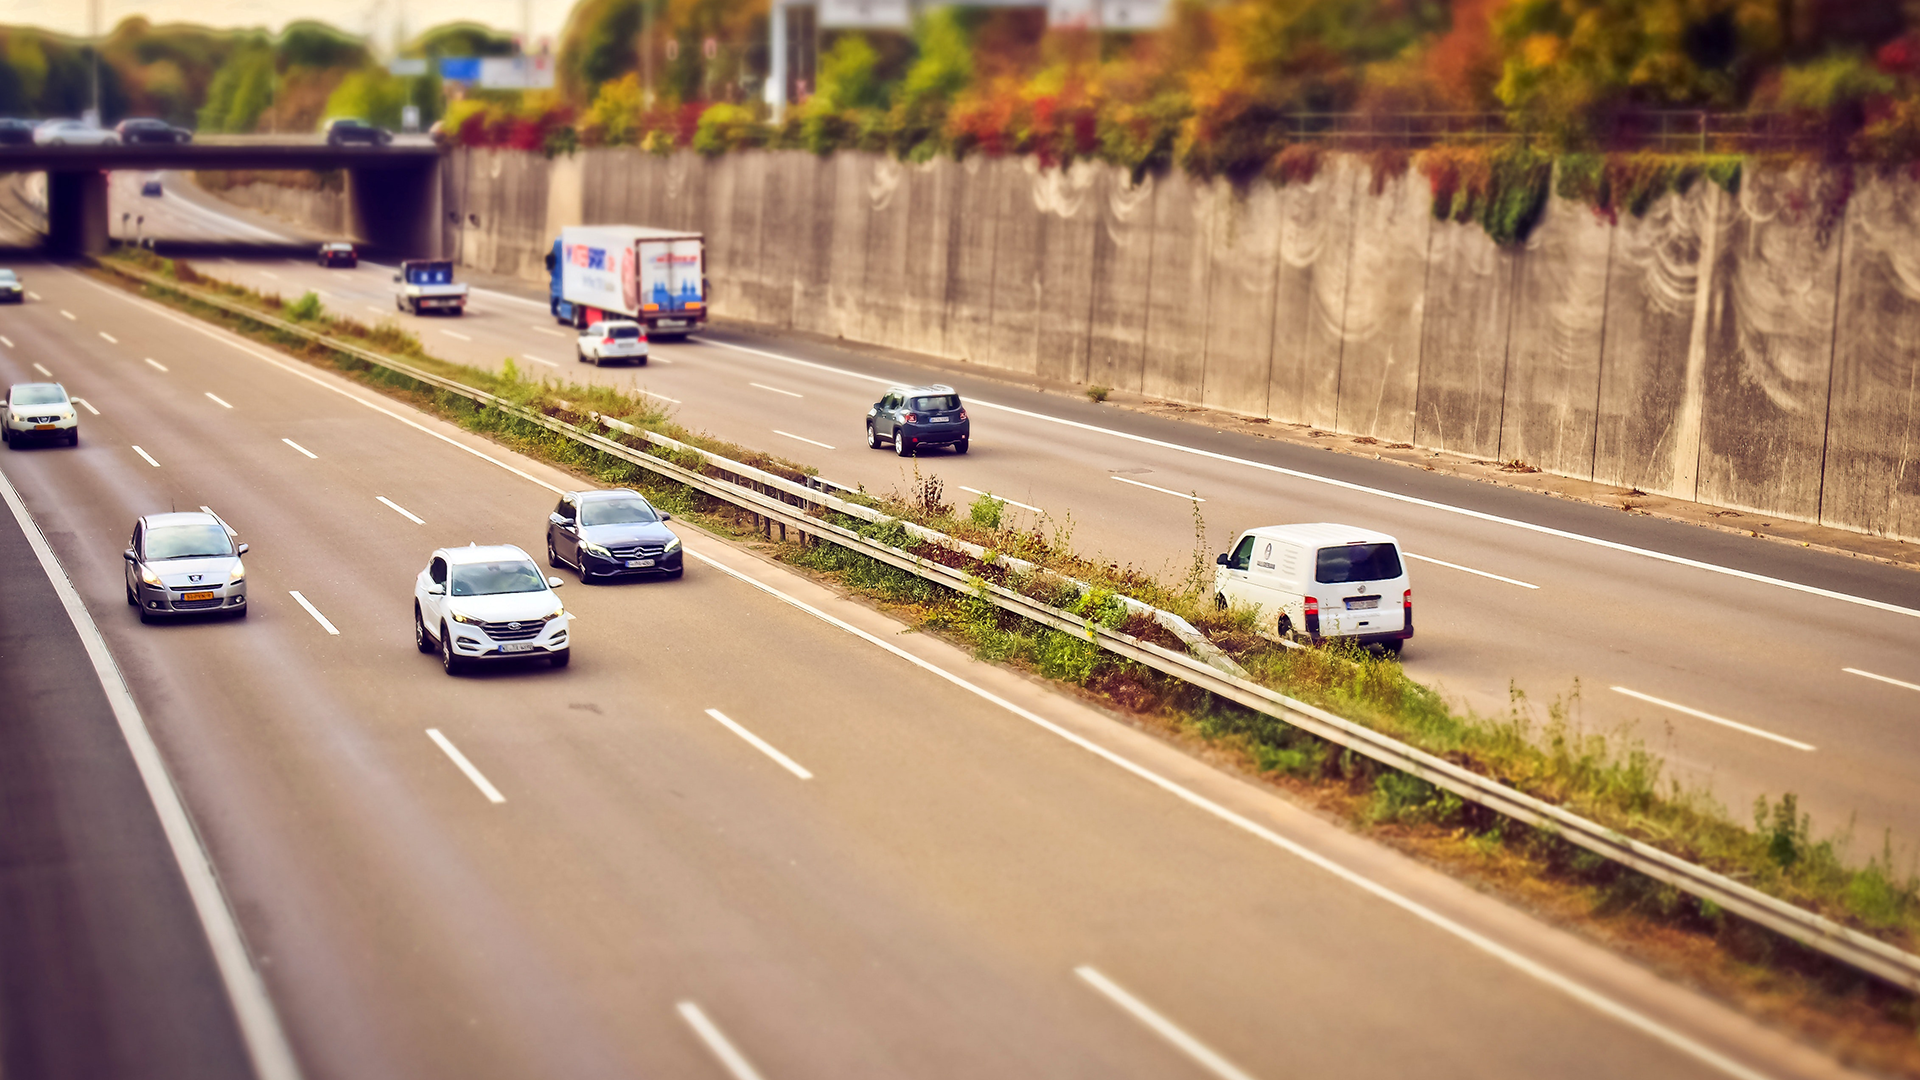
(241, 90)
(370, 94)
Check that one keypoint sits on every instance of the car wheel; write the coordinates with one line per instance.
(901, 446)
(561, 658)
(674, 575)
(6, 433)
(420, 639)
(594, 359)
(132, 600)
(553, 557)
(1220, 601)
(960, 447)
(447, 660)
(873, 437)
(240, 612)
(1393, 647)
(73, 437)
(146, 617)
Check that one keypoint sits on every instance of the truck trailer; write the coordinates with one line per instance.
(656, 277)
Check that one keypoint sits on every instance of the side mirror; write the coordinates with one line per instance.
(396, 277)
(664, 516)
(1221, 559)
(436, 589)
(556, 519)
(242, 549)
(554, 583)
(129, 555)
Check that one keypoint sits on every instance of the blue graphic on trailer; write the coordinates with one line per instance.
(670, 302)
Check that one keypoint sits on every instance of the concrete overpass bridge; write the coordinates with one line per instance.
(393, 192)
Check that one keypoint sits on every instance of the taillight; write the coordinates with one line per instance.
(1313, 615)
(963, 414)
(1406, 600)
(909, 418)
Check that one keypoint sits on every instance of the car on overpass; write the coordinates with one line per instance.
(73, 133)
(915, 417)
(184, 564)
(339, 253)
(12, 289)
(478, 604)
(38, 411)
(342, 130)
(16, 132)
(146, 129)
(610, 534)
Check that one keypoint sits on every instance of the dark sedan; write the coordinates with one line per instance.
(609, 534)
(339, 254)
(147, 130)
(16, 132)
(346, 129)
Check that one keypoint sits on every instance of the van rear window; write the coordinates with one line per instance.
(1357, 562)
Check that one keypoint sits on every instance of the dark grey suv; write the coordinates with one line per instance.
(610, 534)
(912, 417)
(350, 130)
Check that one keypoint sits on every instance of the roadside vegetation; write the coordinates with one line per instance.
(1536, 747)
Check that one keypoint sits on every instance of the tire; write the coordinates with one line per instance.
(448, 662)
(145, 618)
(561, 658)
(420, 639)
(73, 437)
(1393, 647)
(594, 359)
(240, 612)
(960, 447)
(1220, 601)
(873, 437)
(132, 600)
(6, 433)
(579, 355)
(674, 575)
(900, 446)
(413, 308)
(642, 361)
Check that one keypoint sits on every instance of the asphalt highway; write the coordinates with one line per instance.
(1728, 668)
(918, 865)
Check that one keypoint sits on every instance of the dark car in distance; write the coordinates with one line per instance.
(144, 129)
(347, 129)
(913, 417)
(15, 132)
(610, 534)
(339, 254)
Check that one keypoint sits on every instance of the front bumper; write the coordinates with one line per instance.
(472, 641)
(168, 600)
(441, 303)
(666, 563)
(27, 427)
(12, 296)
(936, 434)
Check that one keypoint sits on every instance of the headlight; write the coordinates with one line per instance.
(239, 573)
(147, 575)
(557, 612)
(673, 544)
(459, 618)
(596, 549)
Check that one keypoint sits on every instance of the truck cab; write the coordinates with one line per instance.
(428, 285)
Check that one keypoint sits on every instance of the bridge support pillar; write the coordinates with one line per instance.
(397, 207)
(77, 219)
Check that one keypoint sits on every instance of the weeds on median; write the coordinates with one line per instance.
(1609, 777)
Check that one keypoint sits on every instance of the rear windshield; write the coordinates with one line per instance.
(38, 395)
(942, 403)
(627, 332)
(1357, 562)
(187, 541)
(617, 512)
(487, 579)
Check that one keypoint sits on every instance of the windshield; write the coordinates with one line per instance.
(6, 275)
(187, 541)
(617, 512)
(431, 274)
(626, 332)
(943, 403)
(1357, 562)
(488, 579)
(38, 395)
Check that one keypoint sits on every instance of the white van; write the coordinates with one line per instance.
(1320, 581)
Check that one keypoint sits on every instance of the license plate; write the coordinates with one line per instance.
(1363, 603)
(671, 322)
(638, 563)
(198, 596)
(518, 646)
(940, 420)
(43, 427)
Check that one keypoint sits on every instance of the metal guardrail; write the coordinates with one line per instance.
(1814, 931)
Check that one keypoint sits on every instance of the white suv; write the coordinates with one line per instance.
(38, 411)
(488, 603)
(613, 339)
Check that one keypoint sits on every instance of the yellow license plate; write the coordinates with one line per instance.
(198, 596)
(43, 427)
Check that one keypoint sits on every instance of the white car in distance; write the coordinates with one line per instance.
(613, 339)
(73, 133)
(479, 604)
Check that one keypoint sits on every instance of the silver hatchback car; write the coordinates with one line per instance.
(185, 563)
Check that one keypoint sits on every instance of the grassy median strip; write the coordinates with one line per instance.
(1610, 778)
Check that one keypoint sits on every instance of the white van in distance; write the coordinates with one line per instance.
(1320, 581)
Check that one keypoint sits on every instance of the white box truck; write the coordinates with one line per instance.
(656, 277)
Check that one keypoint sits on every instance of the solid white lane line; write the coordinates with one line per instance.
(656, 359)
(775, 389)
(454, 334)
(486, 787)
(217, 400)
(662, 397)
(1882, 678)
(802, 438)
(223, 521)
(158, 366)
(546, 330)
(731, 1059)
(1525, 965)
(537, 360)
(148, 456)
(1348, 485)
(68, 314)
(1470, 570)
(315, 612)
(1163, 491)
(302, 449)
(1161, 1026)
(7, 341)
(260, 1026)
(271, 274)
(375, 310)
(88, 405)
(42, 370)
(761, 745)
(1002, 498)
(1721, 720)
(398, 509)
(111, 340)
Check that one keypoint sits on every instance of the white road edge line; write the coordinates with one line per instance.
(537, 360)
(761, 745)
(662, 397)
(486, 786)
(1470, 570)
(1002, 498)
(1707, 716)
(148, 456)
(218, 400)
(1882, 678)
(7, 341)
(398, 509)
(315, 612)
(42, 370)
(302, 449)
(731, 1058)
(1161, 490)
(111, 340)
(802, 438)
(1348, 485)
(266, 1040)
(1161, 1026)
(158, 366)
(776, 389)
(88, 405)
(454, 334)
(208, 510)
(1534, 969)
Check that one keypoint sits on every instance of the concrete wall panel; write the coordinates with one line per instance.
(1386, 300)
(1122, 277)
(1310, 295)
(1066, 202)
(970, 262)
(1245, 252)
(923, 281)
(846, 262)
(1175, 366)
(1553, 352)
(889, 209)
(1013, 341)
(1464, 340)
